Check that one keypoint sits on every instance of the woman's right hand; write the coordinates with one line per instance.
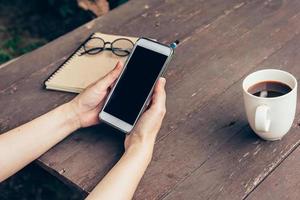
(145, 131)
(127, 173)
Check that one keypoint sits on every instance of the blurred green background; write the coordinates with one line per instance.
(24, 26)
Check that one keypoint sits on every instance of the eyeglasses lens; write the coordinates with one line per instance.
(94, 46)
(122, 47)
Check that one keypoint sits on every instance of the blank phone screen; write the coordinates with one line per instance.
(135, 84)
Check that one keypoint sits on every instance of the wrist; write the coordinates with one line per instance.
(141, 149)
(71, 116)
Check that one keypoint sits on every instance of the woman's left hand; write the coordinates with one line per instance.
(89, 103)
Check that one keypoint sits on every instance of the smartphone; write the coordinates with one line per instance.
(133, 89)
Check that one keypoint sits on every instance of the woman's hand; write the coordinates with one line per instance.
(34, 138)
(88, 104)
(144, 133)
(127, 173)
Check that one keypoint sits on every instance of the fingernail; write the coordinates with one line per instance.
(163, 80)
(120, 64)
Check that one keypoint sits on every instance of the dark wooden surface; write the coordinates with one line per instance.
(205, 149)
(283, 182)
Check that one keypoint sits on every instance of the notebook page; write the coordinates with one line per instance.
(81, 71)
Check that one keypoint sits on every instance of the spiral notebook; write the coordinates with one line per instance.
(79, 71)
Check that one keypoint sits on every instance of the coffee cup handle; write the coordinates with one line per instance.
(262, 118)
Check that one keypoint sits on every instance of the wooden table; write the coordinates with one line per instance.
(205, 149)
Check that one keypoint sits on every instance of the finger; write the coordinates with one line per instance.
(158, 103)
(113, 84)
(111, 77)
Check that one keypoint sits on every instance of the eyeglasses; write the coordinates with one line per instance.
(120, 47)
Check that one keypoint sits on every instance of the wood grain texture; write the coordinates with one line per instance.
(227, 44)
(197, 93)
(23, 90)
(242, 161)
(205, 144)
(58, 50)
(282, 183)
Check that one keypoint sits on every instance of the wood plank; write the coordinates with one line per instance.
(115, 22)
(175, 150)
(213, 63)
(237, 168)
(186, 50)
(283, 182)
(92, 166)
(55, 52)
(64, 164)
(53, 65)
(281, 43)
(119, 21)
(177, 19)
(25, 92)
(239, 161)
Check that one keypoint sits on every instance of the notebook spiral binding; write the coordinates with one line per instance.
(66, 63)
(76, 53)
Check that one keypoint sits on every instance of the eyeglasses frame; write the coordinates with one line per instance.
(91, 51)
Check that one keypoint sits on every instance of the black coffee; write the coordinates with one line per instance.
(269, 89)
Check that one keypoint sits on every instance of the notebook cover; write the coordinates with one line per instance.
(77, 72)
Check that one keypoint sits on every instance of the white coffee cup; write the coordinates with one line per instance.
(270, 118)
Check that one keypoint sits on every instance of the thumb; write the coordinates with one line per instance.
(110, 78)
(159, 96)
